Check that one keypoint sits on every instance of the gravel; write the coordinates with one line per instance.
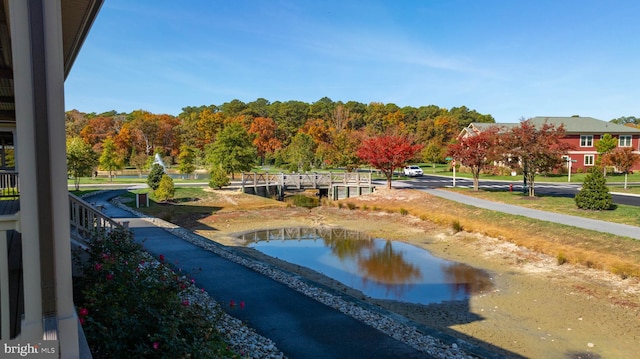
(248, 343)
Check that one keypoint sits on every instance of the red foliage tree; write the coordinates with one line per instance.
(475, 151)
(388, 152)
(623, 159)
(537, 149)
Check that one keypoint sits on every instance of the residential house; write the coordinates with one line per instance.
(39, 41)
(582, 133)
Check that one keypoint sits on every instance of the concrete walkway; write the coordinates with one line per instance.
(574, 221)
(300, 326)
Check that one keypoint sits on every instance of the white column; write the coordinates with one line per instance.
(22, 79)
(39, 85)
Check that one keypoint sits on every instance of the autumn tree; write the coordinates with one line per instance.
(109, 159)
(476, 151)
(536, 149)
(81, 160)
(232, 150)
(623, 159)
(265, 140)
(388, 152)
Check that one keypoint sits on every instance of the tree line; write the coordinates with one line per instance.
(236, 135)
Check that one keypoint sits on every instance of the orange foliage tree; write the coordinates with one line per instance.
(265, 140)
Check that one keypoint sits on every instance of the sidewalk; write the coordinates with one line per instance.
(574, 221)
(300, 326)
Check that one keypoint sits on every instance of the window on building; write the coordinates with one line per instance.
(624, 141)
(586, 141)
(588, 160)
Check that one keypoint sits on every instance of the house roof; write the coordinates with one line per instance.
(581, 125)
(77, 18)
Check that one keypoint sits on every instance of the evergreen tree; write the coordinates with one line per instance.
(594, 194)
(218, 177)
(155, 176)
(165, 190)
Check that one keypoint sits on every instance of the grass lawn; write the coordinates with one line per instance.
(622, 214)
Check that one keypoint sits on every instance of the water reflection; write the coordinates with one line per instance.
(379, 268)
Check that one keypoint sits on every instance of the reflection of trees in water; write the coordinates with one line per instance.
(347, 248)
(466, 279)
(389, 269)
(387, 266)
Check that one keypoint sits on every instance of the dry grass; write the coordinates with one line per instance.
(589, 248)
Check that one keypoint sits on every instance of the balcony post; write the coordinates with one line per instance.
(37, 49)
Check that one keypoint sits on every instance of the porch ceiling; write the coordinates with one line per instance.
(77, 17)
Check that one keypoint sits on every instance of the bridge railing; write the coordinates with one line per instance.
(305, 180)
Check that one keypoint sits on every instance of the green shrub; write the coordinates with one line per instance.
(165, 190)
(300, 200)
(218, 178)
(456, 226)
(351, 205)
(594, 194)
(131, 306)
(403, 212)
(561, 258)
(155, 176)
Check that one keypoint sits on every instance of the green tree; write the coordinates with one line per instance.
(165, 190)
(155, 176)
(233, 149)
(139, 161)
(432, 153)
(594, 194)
(186, 160)
(81, 160)
(218, 177)
(301, 152)
(605, 144)
(109, 159)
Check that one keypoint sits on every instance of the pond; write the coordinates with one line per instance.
(379, 268)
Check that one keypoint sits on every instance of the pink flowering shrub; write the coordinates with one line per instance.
(132, 307)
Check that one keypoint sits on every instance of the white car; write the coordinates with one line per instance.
(413, 171)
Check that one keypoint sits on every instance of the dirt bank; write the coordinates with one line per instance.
(536, 308)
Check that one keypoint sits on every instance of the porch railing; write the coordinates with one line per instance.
(9, 184)
(88, 220)
(10, 265)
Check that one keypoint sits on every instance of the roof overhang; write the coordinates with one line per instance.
(77, 18)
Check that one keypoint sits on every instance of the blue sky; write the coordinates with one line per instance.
(507, 58)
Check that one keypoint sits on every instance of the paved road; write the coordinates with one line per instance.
(542, 188)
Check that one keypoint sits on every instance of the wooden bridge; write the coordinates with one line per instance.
(300, 233)
(336, 185)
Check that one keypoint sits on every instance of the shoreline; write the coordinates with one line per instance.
(536, 309)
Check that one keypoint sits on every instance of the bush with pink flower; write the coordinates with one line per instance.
(134, 307)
